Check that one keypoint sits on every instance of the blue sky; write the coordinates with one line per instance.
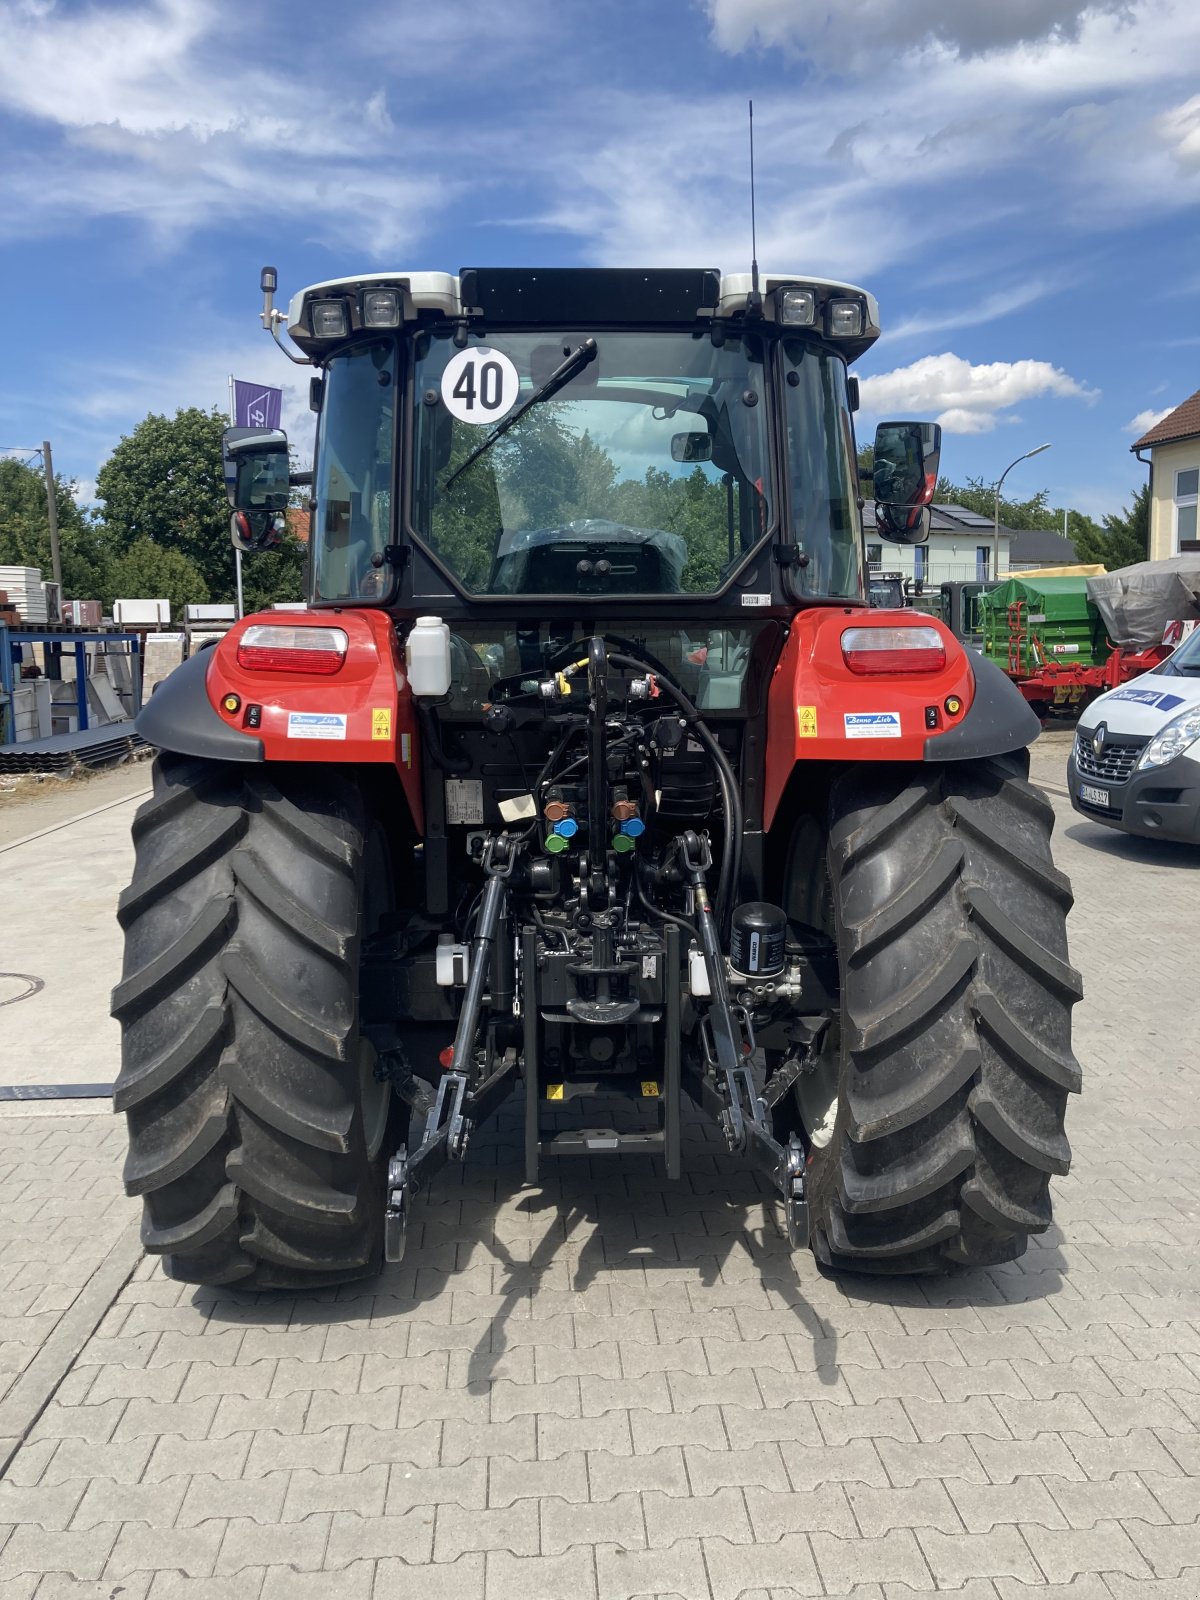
(1016, 180)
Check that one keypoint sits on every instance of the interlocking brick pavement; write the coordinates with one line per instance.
(611, 1387)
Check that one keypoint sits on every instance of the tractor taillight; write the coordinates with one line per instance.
(884, 650)
(265, 647)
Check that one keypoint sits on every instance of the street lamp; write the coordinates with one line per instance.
(1036, 451)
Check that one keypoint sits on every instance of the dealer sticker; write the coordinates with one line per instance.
(1149, 697)
(316, 725)
(872, 724)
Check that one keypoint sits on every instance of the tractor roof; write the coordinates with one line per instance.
(575, 296)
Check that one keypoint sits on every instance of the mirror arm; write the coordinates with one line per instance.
(301, 361)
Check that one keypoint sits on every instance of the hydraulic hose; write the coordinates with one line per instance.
(730, 876)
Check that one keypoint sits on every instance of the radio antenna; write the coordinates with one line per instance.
(754, 303)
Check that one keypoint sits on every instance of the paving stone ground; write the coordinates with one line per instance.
(612, 1387)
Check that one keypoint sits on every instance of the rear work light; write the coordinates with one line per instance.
(265, 647)
(882, 650)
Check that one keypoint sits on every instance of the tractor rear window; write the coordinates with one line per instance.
(545, 464)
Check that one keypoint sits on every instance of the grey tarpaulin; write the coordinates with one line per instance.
(1136, 603)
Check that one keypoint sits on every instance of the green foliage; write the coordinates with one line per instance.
(164, 486)
(146, 571)
(1124, 538)
(164, 483)
(975, 495)
(25, 531)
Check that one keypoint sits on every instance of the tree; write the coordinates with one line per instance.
(164, 484)
(1124, 538)
(148, 572)
(25, 531)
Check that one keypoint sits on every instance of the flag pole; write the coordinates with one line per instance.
(237, 554)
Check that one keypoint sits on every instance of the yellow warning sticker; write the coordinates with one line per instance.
(554, 1091)
(381, 722)
(649, 1091)
(806, 721)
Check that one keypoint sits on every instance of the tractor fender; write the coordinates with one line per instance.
(223, 708)
(999, 719)
(181, 718)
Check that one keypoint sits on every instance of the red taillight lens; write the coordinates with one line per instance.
(267, 648)
(889, 650)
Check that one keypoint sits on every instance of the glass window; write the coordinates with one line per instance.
(820, 444)
(874, 555)
(646, 473)
(353, 486)
(1186, 485)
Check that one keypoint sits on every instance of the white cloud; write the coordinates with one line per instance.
(1145, 420)
(853, 29)
(966, 398)
(1180, 129)
(990, 309)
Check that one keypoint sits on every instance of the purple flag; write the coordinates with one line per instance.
(254, 406)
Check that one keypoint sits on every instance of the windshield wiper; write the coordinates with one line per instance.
(562, 374)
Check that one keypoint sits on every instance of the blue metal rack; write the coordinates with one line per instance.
(12, 641)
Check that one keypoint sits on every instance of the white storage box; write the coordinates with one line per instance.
(142, 613)
(211, 613)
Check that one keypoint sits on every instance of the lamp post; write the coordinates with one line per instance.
(1036, 451)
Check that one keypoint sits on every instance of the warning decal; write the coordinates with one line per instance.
(381, 722)
(806, 721)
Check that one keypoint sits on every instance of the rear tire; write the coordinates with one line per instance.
(257, 1135)
(953, 1058)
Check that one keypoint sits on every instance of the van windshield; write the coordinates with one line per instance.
(645, 472)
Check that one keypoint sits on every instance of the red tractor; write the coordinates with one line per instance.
(587, 768)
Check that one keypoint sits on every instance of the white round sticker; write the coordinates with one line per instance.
(480, 385)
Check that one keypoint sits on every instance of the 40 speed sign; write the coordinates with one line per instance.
(480, 385)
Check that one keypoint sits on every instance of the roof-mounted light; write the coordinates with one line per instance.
(798, 307)
(330, 319)
(381, 308)
(903, 649)
(266, 647)
(844, 319)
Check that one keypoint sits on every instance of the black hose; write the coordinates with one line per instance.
(659, 912)
(730, 876)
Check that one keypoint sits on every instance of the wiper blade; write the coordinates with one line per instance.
(562, 374)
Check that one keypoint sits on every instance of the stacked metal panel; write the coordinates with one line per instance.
(26, 592)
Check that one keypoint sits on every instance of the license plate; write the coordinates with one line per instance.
(1093, 796)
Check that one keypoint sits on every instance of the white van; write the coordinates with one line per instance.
(1135, 763)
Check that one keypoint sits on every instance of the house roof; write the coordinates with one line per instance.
(1040, 546)
(947, 519)
(1182, 423)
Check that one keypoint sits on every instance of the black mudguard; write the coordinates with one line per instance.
(999, 719)
(179, 716)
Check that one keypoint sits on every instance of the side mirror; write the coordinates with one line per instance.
(691, 447)
(905, 478)
(255, 462)
(256, 468)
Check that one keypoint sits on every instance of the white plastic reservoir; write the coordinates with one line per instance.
(428, 656)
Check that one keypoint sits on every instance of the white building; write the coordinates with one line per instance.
(959, 548)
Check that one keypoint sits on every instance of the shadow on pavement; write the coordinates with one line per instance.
(1135, 847)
